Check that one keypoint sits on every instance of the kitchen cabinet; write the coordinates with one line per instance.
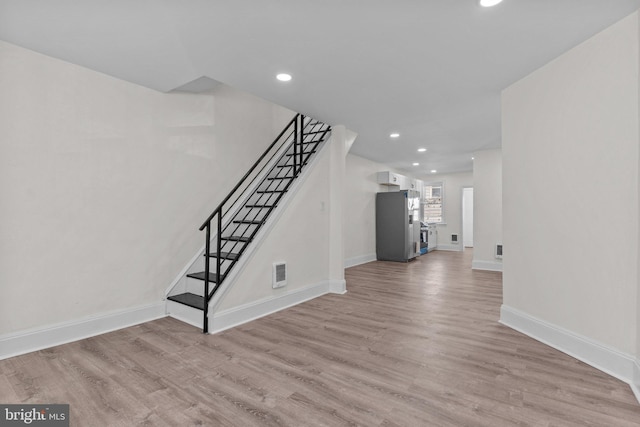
(403, 182)
(389, 178)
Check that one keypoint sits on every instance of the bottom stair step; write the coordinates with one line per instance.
(192, 300)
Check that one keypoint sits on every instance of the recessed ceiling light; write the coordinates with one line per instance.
(473, 158)
(394, 135)
(283, 77)
(489, 3)
(434, 171)
(416, 164)
(422, 150)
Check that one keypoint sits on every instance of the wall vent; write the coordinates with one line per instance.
(454, 238)
(499, 250)
(279, 274)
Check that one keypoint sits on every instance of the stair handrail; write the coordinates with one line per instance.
(246, 175)
(218, 211)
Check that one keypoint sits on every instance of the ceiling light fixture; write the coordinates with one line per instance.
(434, 171)
(416, 164)
(283, 77)
(421, 150)
(489, 3)
(394, 135)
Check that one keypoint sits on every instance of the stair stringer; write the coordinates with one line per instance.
(265, 230)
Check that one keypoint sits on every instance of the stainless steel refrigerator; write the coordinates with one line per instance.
(398, 225)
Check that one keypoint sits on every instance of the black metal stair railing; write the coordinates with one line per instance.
(304, 139)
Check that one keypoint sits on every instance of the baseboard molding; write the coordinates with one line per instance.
(600, 356)
(635, 386)
(246, 313)
(62, 333)
(338, 286)
(486, 265)
(452, 248)
(358, 260)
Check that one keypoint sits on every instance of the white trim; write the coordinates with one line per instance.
(452, 248)
(236, 316)
(486, 265)
(358, 260)
(338, 286)
(62, 333)
(183, 273)
(607, 359)
(635, 384)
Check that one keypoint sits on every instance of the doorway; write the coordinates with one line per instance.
(467, 217)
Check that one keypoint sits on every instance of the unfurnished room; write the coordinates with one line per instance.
(294, 213)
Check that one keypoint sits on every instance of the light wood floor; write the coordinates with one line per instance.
(413, 344)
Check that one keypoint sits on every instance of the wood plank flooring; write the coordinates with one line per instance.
(414, 344)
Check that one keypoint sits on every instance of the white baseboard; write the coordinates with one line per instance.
(453, 248)
(62, 333)
(635, 386)
(236, 316)
(486, 265)
(338, 287)
(358, 260)
(600, 356)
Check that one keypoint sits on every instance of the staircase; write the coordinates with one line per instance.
(235, 223)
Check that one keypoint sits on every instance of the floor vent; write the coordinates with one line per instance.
(279, 274)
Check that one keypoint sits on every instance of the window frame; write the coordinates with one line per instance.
(436, 184)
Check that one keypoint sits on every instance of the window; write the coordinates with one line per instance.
(433, 203)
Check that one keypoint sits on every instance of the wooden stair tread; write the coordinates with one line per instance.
(187, 298)
(248, 221)
(243, 239)
(225, 255)
(200, 276)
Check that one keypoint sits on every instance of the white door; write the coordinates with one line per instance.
(467, 217)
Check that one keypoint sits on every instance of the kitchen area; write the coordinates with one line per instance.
(402, 230)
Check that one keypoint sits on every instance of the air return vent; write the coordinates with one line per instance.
(454, 238)
(499, 250)
(279, 274)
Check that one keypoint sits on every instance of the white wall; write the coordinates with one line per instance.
(307, 236)
(453, 185)
(361, 186)
(104, 184)
(299, 238)
(487, 209)
(570, 153)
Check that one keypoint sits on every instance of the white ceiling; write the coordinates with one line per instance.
(431, 70)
